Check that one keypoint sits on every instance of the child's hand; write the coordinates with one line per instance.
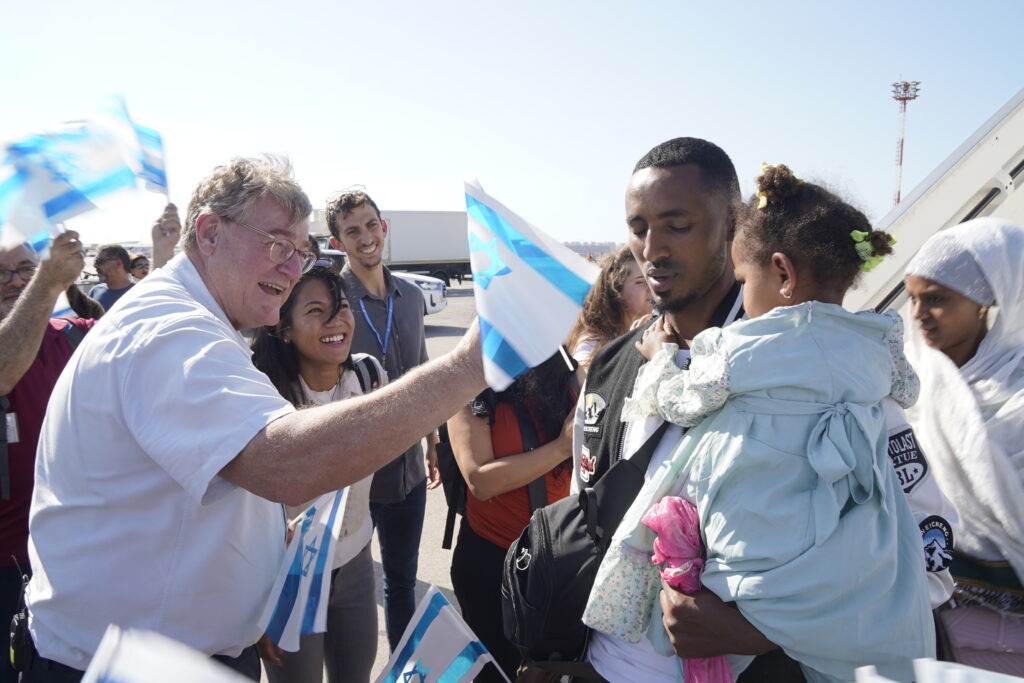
(654, 336)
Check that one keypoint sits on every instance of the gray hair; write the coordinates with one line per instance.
(232, 189)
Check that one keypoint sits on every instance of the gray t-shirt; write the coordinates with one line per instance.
(406, 348)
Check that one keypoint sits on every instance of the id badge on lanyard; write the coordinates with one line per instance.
(11, 428)
(382, 343)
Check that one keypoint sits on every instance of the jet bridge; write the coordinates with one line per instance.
(983, 177)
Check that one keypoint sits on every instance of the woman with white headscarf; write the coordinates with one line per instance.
(966, 286)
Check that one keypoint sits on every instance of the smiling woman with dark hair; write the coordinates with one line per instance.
(966, 286)
(307, 357)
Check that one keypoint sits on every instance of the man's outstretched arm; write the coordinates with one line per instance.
(310, 452)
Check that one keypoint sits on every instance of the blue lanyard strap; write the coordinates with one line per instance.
(387, 328)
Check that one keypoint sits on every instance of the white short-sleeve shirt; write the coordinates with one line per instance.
(130, 522)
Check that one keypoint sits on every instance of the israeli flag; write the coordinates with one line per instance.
(298, 600)
(135, 656)
(143, 147)
(529, 288)
(34, 200)
(437, 646)
(51, 177)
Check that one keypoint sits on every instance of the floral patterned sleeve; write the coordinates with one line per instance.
(684, 397)
(905, 383)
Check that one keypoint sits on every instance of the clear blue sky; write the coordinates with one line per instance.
(549, 103)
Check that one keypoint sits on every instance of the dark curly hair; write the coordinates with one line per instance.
(604, 311)
(544, 389)
(280, 361)
(810, 225)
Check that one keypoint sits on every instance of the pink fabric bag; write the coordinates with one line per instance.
(679, 549)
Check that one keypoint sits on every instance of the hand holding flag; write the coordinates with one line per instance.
(298, 600)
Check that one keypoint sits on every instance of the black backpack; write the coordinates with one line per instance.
(366, 372)
(550, 569)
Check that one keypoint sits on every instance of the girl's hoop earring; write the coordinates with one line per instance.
(982, 312)
(784, 295)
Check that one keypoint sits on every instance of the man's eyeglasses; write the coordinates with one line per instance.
(281, 249)
(24, 272)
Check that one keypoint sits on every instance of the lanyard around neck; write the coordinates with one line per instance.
(383, 343)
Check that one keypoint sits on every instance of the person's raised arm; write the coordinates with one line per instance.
(309, 452)
(487, 476)
(21, 331)
(165, 234)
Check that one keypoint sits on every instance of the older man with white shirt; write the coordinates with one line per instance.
(156, 501)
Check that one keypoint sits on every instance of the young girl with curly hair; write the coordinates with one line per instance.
(805, 525)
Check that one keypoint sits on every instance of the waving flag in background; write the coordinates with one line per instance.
(136, 656)
(51, 177)
(298, 600)
(529, 288)
(437, 647)
(143, 147)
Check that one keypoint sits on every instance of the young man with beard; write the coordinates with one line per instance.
(680, 210)
(389, 326)
(680, 206)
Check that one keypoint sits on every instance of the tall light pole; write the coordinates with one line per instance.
(902, 92)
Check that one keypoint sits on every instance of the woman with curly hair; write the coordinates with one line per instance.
(619, 297)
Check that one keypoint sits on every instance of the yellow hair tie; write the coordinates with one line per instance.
(762, 198)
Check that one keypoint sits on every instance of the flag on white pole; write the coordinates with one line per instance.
(298, 600)
(134, 656)
(437, 647)
(529, 288)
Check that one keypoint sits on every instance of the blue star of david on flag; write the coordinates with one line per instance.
(529, 297)
(497, 267)
(437, 647)
(418, 674)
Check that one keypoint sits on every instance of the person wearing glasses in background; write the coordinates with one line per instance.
(157, 504)
(113, 266)
(389, 327)
(139, 266)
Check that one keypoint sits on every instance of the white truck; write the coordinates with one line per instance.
(429, 242)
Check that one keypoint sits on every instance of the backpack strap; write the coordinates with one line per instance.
(537, 488)
(73, 333)
(366, 372)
